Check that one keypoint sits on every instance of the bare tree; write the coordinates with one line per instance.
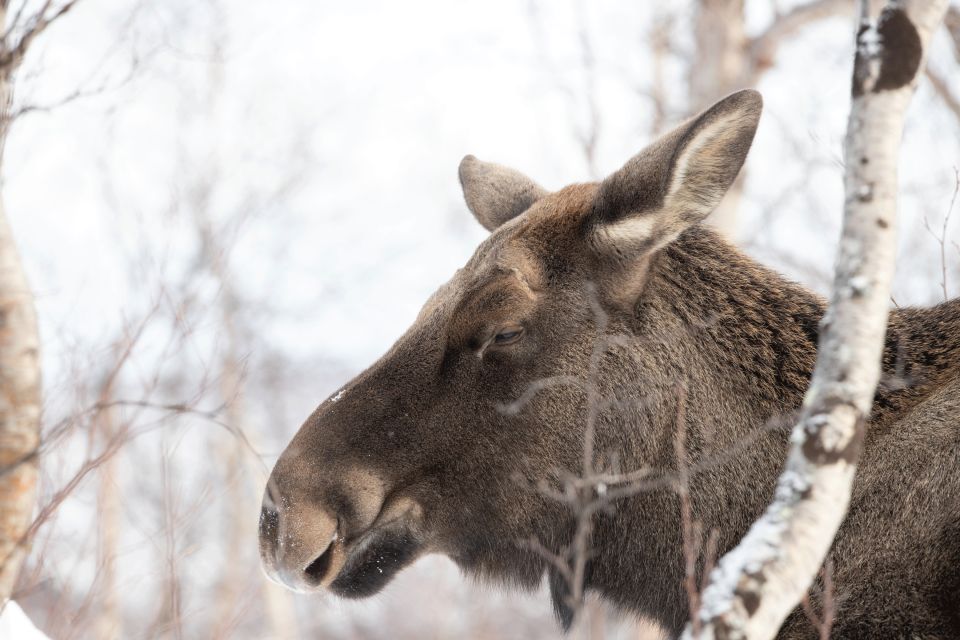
(725, 59)
(19, 407)
(756, 585)
(19, 340)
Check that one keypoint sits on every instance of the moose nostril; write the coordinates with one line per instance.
(317, 569)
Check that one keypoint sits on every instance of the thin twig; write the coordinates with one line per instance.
(10, 58)
(941, 238)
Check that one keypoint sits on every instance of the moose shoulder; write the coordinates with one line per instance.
(596, 305)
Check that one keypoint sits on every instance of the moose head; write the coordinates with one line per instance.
(435, 447)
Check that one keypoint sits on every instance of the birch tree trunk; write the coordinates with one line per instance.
(757, 584)
(726, 59)
(19, 381)
(19, 340)
(19, 409)
(717, 68)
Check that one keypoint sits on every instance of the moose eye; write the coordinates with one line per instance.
(508, 336)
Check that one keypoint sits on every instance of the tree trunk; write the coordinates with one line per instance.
(19, 382)
(19, 385)
(717, 67)
(109, 621)
(757, 584)
(725, 60)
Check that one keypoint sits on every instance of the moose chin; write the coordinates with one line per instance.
(573, 325)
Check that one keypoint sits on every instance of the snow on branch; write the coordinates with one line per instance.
(757, 584)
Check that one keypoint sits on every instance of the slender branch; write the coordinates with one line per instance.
(952, 22)
(762, 49)
(11, 57)
(941, 237)
(942, 89)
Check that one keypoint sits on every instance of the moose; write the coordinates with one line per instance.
(440, 446)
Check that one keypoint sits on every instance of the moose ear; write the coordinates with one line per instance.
(678, 180)
(494, 193)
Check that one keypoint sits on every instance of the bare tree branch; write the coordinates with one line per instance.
(12, 55)
(762, 49)
(941, 237)
(952, 22)
(942, 89)
(726, 59)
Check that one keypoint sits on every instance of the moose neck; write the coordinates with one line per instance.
(750, 334)
(740, 341)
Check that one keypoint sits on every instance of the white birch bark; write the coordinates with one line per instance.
(19, 381)
(20, 386)
(757, 584)
(19, 409)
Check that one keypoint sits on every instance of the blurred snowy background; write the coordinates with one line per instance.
(227, 209)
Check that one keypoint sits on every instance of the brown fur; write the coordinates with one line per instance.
(424, 452)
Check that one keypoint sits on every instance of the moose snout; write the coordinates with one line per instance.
(300, 544)
(307, 522)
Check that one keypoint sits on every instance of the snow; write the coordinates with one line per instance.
(15, 625)
(871, 43)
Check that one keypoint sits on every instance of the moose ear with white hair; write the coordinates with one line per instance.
(494, 193)
(676, 181)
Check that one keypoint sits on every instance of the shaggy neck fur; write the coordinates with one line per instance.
(741, 340)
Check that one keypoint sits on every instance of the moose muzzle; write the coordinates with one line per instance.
(308, 526)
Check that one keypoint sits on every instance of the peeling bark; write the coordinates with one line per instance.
(757, 584)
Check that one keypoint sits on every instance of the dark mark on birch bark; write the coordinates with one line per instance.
(901, 53)
(751, 602)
